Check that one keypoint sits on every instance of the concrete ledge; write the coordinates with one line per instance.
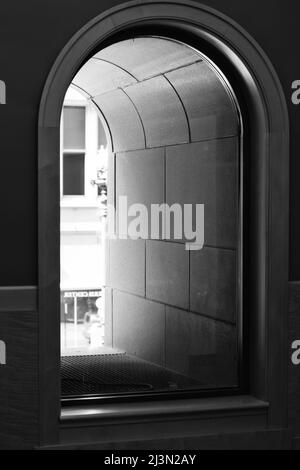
(18, 299)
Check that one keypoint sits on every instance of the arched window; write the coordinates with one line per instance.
(192, 113)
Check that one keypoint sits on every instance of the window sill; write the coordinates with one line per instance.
(185, 408)
(79, 202)
(161, 420)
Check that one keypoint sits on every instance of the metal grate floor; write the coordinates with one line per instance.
(117, 373)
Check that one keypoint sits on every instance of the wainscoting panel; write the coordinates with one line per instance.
(19, 368)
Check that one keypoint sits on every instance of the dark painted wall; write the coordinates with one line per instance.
(32, 33)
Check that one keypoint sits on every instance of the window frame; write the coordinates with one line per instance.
(69, 200)
(90, 196)
(267, 326)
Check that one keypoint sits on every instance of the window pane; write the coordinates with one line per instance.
(74, 127)
(73, 174)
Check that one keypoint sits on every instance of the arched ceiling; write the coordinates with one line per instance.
(154, 92)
